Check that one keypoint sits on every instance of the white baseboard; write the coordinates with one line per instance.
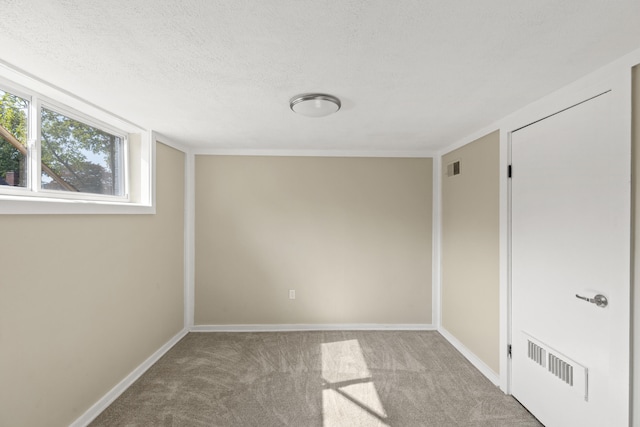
(315, 327)
(113, 394)
(471, 357)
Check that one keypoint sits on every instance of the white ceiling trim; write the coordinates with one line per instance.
(315, 153)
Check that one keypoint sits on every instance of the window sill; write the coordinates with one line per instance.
(21, 205)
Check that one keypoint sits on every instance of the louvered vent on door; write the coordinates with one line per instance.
(537, 354)
(561, 369)
(571, 373)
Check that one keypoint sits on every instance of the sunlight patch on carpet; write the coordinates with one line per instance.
(349, 396)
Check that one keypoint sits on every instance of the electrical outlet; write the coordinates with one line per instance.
(292, 294)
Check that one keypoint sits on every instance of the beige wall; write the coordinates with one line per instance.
(352, 236)
(85, 299)
(636, 241)
(470, 248)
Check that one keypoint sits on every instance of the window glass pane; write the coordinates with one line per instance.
(79, 157)
(13, 139)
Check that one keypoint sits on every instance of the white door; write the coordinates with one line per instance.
(570, 233)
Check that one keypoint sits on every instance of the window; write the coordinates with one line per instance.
(14, 131)
(59, 154)
(77, 157)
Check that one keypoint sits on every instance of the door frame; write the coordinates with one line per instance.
(618, 81)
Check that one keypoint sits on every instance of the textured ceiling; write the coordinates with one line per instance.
(412, 75)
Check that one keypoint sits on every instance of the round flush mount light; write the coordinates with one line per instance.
(314, 104)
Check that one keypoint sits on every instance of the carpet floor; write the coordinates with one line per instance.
(308, 379)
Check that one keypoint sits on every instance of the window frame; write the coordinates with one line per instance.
(19, 92)
(138, 159)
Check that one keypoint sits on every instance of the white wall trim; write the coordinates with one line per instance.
(189, 241)
(314, 153)
(436, 264)
(116, 391)
(504, 274)
(471, 357)
(290, 327)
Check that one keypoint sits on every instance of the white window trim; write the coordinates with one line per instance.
(139, 156)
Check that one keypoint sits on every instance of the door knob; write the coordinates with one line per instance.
(599, 300)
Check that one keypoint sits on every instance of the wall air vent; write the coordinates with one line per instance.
(453, 168)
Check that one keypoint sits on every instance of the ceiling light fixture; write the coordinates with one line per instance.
(314, 104)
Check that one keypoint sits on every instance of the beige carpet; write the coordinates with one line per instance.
(314, 379)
